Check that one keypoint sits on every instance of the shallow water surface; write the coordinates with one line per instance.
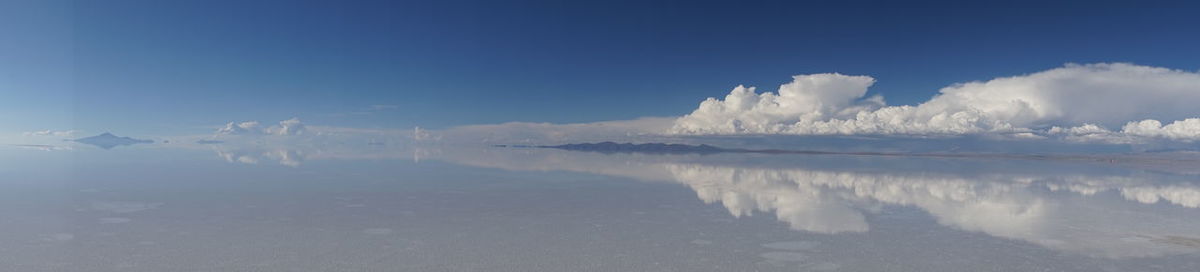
(505, 209)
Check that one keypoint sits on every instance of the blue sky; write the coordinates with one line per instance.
(180, 66)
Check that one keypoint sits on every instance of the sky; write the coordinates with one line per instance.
(174, 67)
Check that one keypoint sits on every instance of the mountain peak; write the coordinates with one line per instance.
(108, 140)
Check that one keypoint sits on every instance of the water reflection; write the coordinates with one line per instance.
(296, 156)
(108, 141)
(1091, 210)
(160, 209)
(287, 157)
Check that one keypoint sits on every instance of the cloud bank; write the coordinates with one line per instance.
(1107, 103)
(1110, 102)
(284, 128)
(54, 133)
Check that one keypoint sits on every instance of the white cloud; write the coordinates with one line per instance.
(421, 134)
(1086, 98)
(54, 133)
(243, 128)
(285, 128)
(1096, 103)
(1187, 130)
(1088, 133)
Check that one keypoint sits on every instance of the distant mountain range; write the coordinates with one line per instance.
(611, 147)
(108, 141)
(1166, 160)
(640, 148)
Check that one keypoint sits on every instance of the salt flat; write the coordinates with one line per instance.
(490, 209)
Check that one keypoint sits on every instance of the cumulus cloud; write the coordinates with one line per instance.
(286, 127)
(421, 134)
(243, 128)
(1095, 103)
(1074, 101)
(1187, 130)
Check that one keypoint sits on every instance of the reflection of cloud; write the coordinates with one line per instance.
(1184, 196)
(43, 147)
(1081, 210)
(420, 153)
(237, 156)
(1008, 205)
(108, 141)
(827, 201)
(295, 155)
(289, 157)
(803, 208)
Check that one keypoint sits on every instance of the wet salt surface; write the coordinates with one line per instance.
(547, 210)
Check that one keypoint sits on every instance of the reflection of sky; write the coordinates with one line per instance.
(1087, 210)
(362, 207)
(1010, 206)
(1037, 207)
(1052, 208)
